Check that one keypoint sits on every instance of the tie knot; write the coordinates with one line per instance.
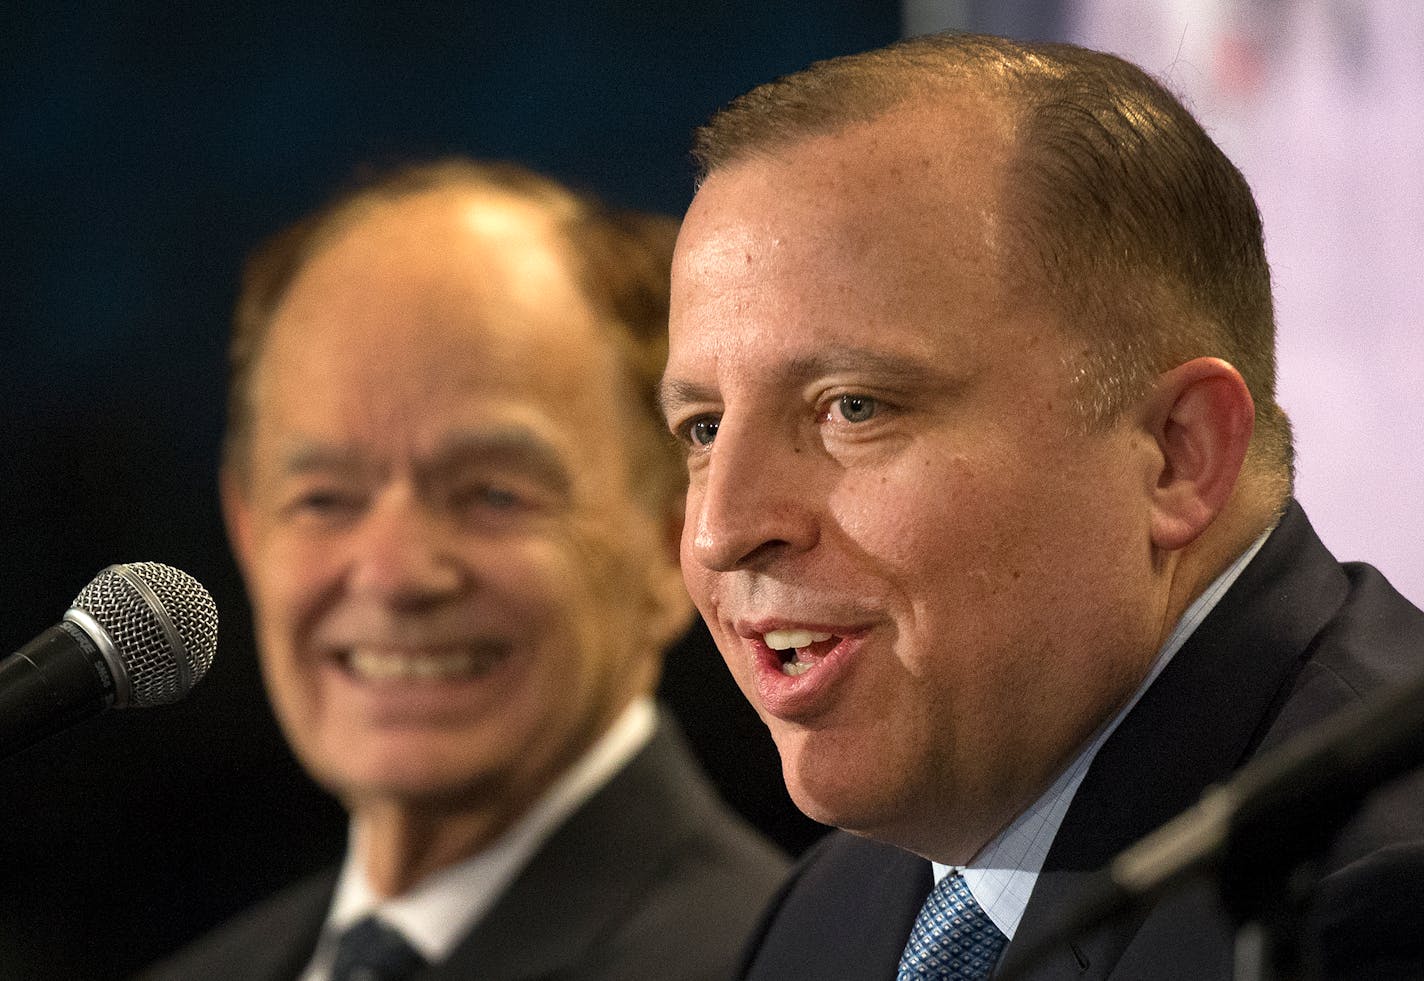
(953, 938)
(370, 950)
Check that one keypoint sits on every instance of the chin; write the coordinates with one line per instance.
(414, 791)
(841, 796)
(864, 815)
(872, 801)
(399, 770)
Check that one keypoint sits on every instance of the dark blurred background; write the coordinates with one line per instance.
(146, 147)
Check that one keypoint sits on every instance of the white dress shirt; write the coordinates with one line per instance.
(445, 906)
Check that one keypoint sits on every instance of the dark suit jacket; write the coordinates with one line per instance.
(1298, 637)
(652, 878)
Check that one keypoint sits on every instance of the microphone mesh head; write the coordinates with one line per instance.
(163, 624)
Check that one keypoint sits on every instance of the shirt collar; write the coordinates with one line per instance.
(445, 906)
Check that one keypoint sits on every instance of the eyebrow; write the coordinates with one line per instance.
(673, 392)
(515, 446)
(906, 370)
(860, 360)
(307, 457)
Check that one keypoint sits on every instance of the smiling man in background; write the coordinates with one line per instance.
(456, 513)
(972, 356)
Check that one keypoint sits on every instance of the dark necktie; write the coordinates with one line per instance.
(953, 938)
(370, 950)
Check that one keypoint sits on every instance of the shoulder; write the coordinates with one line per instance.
(1369, 906)
(845, 912)
(654, 876)
(1361, 641)
(273, 939)
(696, 875)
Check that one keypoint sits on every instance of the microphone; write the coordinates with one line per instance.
(139, 634)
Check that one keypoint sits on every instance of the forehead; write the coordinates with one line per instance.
(925, 163)
(441, 303)
(898, 217)
(436, 258)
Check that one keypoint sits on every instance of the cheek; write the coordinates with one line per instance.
(614, 585)
(290, 576)
(526, 588)
(562, 589)
(923, 519)
(964, 546)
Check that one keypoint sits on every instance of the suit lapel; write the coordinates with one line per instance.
(869, 892)
(296, 919)
(579, 884)
(1198, 722)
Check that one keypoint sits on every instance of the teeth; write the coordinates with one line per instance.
(385, 665)
(795, 668)
(785, 640)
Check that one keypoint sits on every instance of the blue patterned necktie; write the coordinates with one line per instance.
(370, 950)
(953, 938)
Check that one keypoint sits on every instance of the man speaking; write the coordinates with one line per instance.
(990, 514)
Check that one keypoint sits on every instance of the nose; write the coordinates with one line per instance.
(403, 556)
(755, 503)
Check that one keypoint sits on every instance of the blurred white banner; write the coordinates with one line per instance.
(1321, 105)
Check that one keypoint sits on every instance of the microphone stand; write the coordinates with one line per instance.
(1272, 941)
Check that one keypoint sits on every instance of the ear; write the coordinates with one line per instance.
(1201, 415)
(237, 516)
(673, 606)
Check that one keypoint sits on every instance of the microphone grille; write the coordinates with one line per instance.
(163, 625)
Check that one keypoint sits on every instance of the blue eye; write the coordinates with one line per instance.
(703, 431)
(856, 408)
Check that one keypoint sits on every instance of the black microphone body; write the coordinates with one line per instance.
(139, 634)
(54, 681)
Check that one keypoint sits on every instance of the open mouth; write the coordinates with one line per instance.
(428, 664)
(799, 650)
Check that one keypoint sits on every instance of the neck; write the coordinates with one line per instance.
(1189, 571)
(400, 840)
(398, 845)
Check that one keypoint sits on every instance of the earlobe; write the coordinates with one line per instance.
(674, 606)
(1201, 415)
(237, 516)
